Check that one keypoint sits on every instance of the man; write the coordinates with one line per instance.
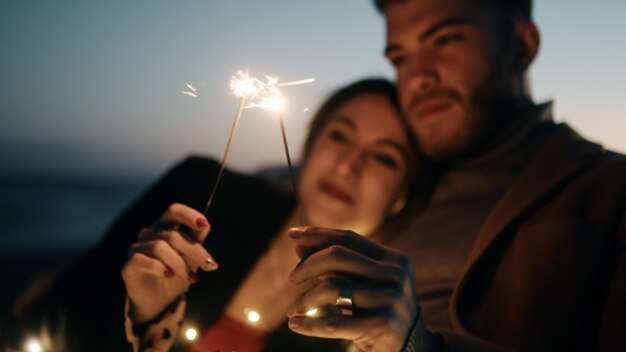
(522, 243)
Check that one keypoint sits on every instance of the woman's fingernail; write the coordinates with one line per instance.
(168, 273)
(202, 222)
(211, 264)
(295, 232)
(193, 278)
(294, 322)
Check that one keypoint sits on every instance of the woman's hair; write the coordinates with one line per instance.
(417, 184)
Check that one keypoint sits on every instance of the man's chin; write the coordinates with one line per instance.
(446, 146)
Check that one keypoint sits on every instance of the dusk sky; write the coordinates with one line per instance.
(93, 87)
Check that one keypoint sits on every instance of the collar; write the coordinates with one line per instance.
(529, 127)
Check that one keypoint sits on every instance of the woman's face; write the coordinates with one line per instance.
(355, 175)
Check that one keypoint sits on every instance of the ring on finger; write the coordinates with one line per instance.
(344, 301)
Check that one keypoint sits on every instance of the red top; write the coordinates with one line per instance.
(228, 334)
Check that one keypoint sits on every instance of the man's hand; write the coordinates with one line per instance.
(162, 263)
(382, 289)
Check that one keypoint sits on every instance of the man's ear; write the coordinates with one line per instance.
(527, 41)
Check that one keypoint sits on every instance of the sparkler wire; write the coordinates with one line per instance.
(226, 152)
(291, 175)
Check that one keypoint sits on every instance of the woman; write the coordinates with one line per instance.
(356, 174)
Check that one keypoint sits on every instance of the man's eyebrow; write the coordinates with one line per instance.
(455, 21)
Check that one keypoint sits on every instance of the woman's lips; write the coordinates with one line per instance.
(335, 192)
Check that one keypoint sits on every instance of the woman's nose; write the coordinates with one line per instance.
(350, 163)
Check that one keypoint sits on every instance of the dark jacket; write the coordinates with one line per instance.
(548, 269)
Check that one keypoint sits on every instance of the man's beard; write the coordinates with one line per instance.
(490, 111)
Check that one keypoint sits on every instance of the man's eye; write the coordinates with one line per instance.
(447, 39)
(397, 60)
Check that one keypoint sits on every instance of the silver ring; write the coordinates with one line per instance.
(344, 301)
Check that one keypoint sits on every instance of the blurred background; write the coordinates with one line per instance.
(91, 109)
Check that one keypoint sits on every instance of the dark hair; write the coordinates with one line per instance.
(510, 9)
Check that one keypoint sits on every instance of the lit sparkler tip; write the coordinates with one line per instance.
(271, 80)
(261, 94)
(256, 92)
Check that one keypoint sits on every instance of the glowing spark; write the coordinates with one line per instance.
(259, 94)
(33, 346)
(191, 87)
(312, 312)
(191, 334)
(189, 94)
(253, 316)
(305, 109)
(298, 82)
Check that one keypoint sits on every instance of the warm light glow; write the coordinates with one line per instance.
(276, 104)
(259, 94)
(191, 334)
(312, 312)
(253, 316)
(243, 85)
(33, 346)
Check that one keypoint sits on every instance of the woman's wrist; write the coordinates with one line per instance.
(147, 316)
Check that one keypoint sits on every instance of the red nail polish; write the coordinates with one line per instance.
(168, 273)
(193, 278)
(202, 222)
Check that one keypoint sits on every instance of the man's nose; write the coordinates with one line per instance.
(422, 75)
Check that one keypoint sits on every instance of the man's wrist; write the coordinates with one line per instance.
(420, 339)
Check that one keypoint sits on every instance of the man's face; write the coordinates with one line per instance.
(453, 76)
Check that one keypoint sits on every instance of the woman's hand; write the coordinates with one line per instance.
(378, 304)
(162, 263)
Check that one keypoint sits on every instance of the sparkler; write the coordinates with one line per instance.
(255, 93)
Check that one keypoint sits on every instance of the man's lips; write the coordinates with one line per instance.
(430, 107)
(335, 192)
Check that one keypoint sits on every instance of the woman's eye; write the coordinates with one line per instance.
(338, 136)
(447, 39)
(386, 160)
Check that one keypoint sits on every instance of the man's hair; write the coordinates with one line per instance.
(510, 9)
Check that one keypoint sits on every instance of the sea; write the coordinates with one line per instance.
(47, 221)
